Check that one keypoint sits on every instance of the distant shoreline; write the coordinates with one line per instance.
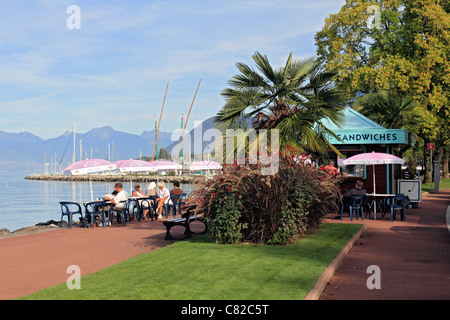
(113, 178)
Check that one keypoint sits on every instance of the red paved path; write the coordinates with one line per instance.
(414, 257)
(36, 261)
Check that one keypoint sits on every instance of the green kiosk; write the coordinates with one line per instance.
(361, 135)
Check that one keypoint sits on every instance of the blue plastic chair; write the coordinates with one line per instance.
(173, 204)
(394, 204)
(95, 209)
(122, 215)
(355, 207)
(151, 206)
(182, 201)
(135, 209)
(69, 209)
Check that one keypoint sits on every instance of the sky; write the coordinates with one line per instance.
(113, 68)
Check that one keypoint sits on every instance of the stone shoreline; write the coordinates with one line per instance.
(39, 227)
(112, 178)
(51, 224)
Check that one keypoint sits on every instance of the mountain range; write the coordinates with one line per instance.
(26, 151)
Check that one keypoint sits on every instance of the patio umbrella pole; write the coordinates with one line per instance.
(374, 185)
(90, 185)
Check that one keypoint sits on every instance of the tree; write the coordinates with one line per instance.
(292, 99)
(407, 53)
(164, 154)
(394, 112)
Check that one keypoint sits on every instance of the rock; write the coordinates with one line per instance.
(50, 222)
(4, 231)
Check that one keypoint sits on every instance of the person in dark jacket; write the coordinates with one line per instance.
(358, 190)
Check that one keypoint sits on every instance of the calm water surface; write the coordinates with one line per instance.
(25, 202)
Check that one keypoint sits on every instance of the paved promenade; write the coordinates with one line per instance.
(413, 257)
(36, 261)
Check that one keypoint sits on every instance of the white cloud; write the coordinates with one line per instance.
(123, 55)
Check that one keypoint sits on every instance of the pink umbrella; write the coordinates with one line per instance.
(165, 165)
(205, 165)
(89, 166)
(373, 158)
(134, 166)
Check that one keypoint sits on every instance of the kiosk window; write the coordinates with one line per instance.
(351, 170)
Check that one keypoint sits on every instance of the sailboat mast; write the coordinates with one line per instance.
(74, 145)
(187, 118)
(156, 141)
(181, 148)
(157, 132)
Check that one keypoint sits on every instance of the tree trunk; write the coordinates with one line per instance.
(428, 164)
(445, 165)
(440, 155)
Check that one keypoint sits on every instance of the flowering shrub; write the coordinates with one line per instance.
(241, 204)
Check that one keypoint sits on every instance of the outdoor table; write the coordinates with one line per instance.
(381, 195)
(92, 212)
(140, 200)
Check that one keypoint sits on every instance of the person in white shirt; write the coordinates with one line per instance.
(152, 190)
(138, 193)
(121, 195)
(163, 198)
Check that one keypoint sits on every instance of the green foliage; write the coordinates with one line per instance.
(225, 225)
(164, 154)
(408, 55)
(201, 270)
(272, 209)
(292, 99)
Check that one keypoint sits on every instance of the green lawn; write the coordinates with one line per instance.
(201, 270)
(443, 184)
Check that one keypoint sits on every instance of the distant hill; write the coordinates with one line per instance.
(196, 133)
(25, 151)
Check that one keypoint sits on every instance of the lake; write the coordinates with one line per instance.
(24, 203)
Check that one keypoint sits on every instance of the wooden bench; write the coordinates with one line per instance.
(185, 220)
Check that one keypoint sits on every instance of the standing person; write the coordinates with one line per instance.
(163, 198)
(331, 169)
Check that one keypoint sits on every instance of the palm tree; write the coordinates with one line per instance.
(389, 110)
(292, 99)
(395, 112)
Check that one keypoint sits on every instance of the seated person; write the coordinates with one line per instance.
(121, 195)
(176, 191)
(163, 198)
(137, 192)
(356, 191)
(152, 190)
